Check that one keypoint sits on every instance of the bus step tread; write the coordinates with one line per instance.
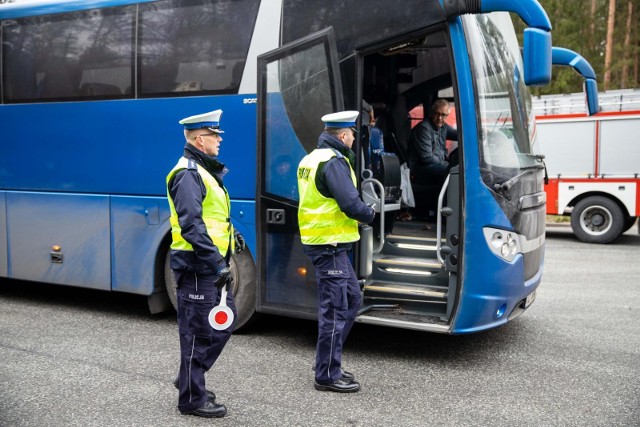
(396, 238)
(407, 290)
(408, 262)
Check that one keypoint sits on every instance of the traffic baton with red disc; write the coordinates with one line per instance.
(221, 316)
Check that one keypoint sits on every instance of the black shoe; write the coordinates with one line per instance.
(346, 376)
(339, 386)
(208, 410)
(211, 396)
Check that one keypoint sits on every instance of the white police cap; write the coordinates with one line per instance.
(210, 120)
(342, 119)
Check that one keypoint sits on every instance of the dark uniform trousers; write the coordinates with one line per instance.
(339, 299)
(200, 344)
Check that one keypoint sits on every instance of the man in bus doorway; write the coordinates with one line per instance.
(202, 243)
(330, 208)
(428, 157)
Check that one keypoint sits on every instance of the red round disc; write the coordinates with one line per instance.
(221, 317)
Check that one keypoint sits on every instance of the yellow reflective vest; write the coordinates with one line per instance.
(320, 219)
(216, 209)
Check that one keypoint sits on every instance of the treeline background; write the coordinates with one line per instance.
(604, 32)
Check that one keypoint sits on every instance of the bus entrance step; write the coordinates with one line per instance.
(402, 292)
(410, 246)
(414, 271)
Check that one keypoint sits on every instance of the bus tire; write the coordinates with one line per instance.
(597, 219)
(170, 280)
(243, 271)
(628, 223)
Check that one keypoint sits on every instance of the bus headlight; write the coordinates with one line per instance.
(505, 244)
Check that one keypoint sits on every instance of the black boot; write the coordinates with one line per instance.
(208, 410)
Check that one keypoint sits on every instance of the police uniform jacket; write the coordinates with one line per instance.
(187, 192)
(334, 180)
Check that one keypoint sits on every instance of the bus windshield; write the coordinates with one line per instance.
(503, 99)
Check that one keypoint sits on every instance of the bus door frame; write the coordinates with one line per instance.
(284, 215)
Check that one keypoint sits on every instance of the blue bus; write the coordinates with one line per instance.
(91, 92)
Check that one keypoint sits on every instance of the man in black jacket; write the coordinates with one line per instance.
(428, 157)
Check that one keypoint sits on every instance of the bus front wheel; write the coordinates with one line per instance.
(243, 271)
(597, 219)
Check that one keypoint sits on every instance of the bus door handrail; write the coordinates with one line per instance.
(443, 191)
(377, 203)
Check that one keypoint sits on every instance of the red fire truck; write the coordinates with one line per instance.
(593, 162)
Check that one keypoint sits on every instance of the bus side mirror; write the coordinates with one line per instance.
(536, 56)
(591, 92)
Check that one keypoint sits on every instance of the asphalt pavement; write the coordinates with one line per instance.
(75, 357)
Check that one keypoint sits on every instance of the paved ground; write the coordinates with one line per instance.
(72, 357)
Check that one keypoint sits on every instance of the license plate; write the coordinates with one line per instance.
(530, 299)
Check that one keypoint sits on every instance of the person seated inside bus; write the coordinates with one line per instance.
(429, 160)
(368, 113)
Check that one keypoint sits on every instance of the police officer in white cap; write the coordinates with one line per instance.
(203, 240)
(330, 209)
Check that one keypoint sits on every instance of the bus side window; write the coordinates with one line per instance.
(58, 81)
(191, 46)
(69, 56)
(20, 80)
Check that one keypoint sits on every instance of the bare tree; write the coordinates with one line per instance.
(608, 52)
(635, 45)
(592, 25)
(626, 46)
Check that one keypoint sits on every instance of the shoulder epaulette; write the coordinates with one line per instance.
(338, 154)
(191, 164)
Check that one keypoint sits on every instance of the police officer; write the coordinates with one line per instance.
(330, 208)
(202, 242)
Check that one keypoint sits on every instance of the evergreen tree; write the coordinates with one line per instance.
(582, 27)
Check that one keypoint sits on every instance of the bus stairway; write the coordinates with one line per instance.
(407, 272)
(410, 246)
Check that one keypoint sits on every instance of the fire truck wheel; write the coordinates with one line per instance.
(243, 271)
(597, 219)
(628, 223)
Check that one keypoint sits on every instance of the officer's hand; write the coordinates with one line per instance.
(241, 245)
(224, 277)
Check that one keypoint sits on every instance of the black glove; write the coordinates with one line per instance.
(241, 245)
(224, 277)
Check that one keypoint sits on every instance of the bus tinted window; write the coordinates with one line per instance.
(85, 54)
(301, 17)
(194, 45)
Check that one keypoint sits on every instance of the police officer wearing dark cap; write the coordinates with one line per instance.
(328, 216)
(203, 240)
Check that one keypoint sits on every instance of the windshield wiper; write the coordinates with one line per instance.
(506, 186)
